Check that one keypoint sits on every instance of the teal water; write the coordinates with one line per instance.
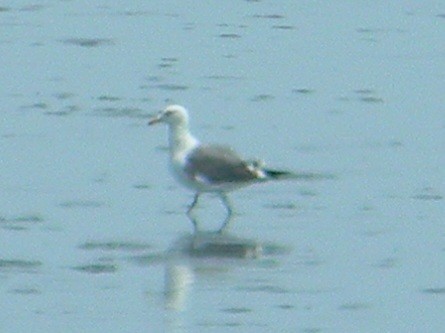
(93, 235)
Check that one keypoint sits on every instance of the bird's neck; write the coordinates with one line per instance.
(180, 139)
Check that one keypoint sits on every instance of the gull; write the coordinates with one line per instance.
(208, 168)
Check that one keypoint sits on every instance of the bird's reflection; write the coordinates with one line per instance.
(178, 279)
(215, 244)
(200, 251)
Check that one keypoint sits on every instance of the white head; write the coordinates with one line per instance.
(173, 115)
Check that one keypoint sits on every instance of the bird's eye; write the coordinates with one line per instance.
(168, 113)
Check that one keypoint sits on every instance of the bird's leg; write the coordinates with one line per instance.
(226, 202)
(189, 211)
(194, 222)
(193, 204)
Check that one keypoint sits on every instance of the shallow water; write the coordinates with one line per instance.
(93, 235)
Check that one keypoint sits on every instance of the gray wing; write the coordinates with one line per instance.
(218, 164)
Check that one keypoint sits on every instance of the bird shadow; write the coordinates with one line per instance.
(211, 244)
(218, 243)
(202, 255)
(195, 258)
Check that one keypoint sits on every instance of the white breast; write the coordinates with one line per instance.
(178, 161)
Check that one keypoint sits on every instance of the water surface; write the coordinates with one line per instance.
(93, 235)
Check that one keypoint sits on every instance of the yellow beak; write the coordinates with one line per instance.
(154, 120)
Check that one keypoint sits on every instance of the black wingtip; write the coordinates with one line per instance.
(278, 174)
(304, 176)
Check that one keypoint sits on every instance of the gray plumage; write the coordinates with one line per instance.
(218, 164)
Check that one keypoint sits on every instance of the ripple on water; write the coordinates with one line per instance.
(149, 259)
(19, 265)
(116, 112)
(32, 8)
(282, 206)
(124, 246)
(229, 36)
(21, 222)
(286, 306)
(265, 288)
(283, 27)
(142, 186)
(371, 99)
(224, 77)
(108, 98)
(262, 98)
(354, 306)
(428, 194)
(65, 111)
(387, 263)
(96, 268)
(171, 87)
(88, 42)
(134, 13)
(230, 324)
(365, 95)
(303, 91)
(236, 310)
(22, 219)
(368, 96)
(168, 62)
(36, 105)
(81, 204)
(64, 95)
(26, 291)
(434, 291)
(269, 16)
